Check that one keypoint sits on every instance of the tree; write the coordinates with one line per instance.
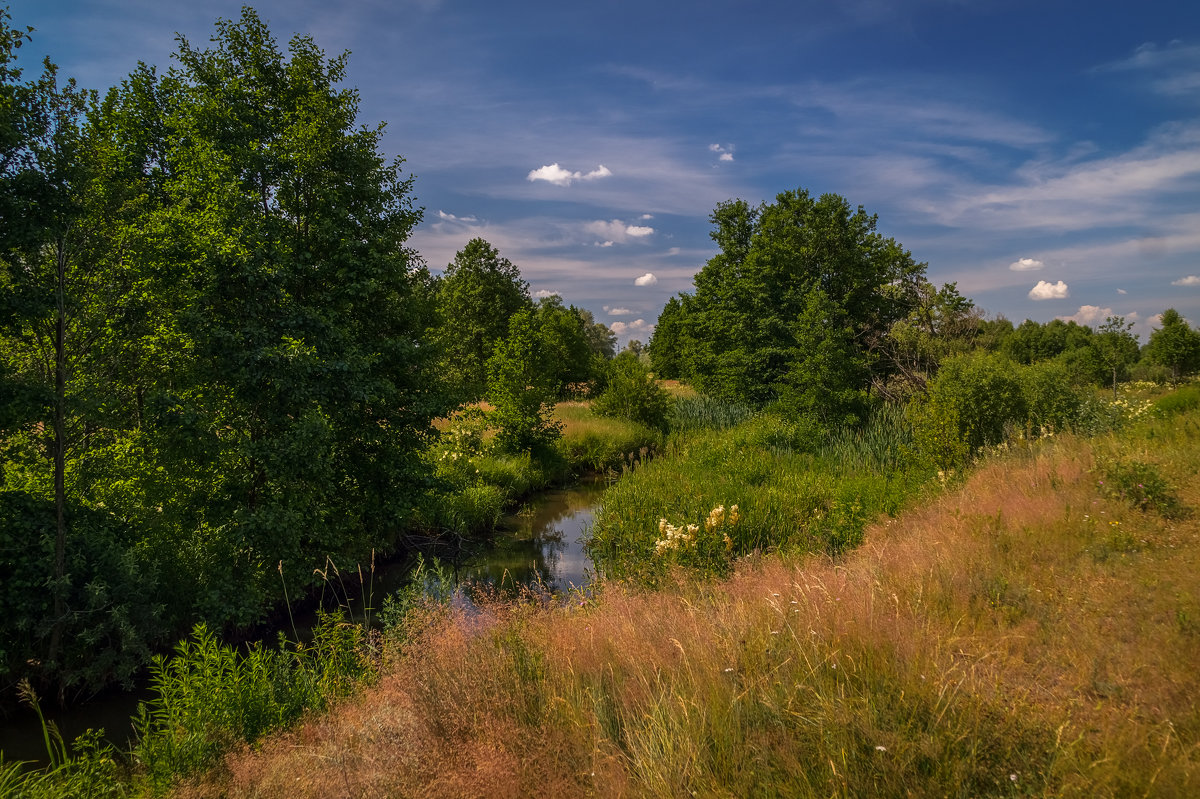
(1116, 346)
(743, 326)
(521, 388)
(601, 341)
(477, 297)
(1175, 345)
(564, 341)
(632, 393)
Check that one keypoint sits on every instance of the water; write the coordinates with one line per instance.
(541, 544)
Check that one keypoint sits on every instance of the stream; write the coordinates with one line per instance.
(540, 544)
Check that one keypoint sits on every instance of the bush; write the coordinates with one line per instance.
(1185, 399)
(633, 394)
(112, 621)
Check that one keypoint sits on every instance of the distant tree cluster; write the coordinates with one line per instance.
(794, 309)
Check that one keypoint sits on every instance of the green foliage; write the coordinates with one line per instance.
(1179, 401)
(1141, 485)
(784, 272)
(566, 349)
(212, 334)
(1116, 347)
(633, 393)
(477, 297)
(1175, 345)
(112, 619)
(209, 697)
(790, 494)
(88, 769)
(521, 389)
(976, 397)
(702, 412)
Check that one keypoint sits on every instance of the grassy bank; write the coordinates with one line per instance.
(1031, 631)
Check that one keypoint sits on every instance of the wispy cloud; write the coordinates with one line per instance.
(1173, 68)
(1049, 291)
(617, 311)
(553, 173)
(445, 217)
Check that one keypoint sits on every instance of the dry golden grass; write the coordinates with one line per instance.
(1018, 635)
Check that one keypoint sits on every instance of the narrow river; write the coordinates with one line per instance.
(540, 544)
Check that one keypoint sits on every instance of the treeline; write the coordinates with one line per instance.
(808, 310)
(220, 362)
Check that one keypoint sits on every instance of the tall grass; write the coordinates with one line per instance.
(794, 491)
(702, 412)
(211, 697)
(1023, 634)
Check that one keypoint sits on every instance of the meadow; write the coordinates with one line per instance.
(1028, 628)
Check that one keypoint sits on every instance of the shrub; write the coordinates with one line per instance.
(633, 394)
(1141, 485)
(1185, 399)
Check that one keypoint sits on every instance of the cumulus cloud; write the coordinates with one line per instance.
(1025, 265)
(1190, 280)
(647, 279)
(1049, 291)
(725, 152)
(647, 216)
(617, 231)
(542, 294)
(624, 328)
(1122, 291)
(617, 311)
(1089, 315)
(553, 173)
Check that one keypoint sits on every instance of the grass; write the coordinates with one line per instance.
(1023, 633)
(794, 490)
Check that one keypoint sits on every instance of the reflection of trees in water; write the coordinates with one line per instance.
(533, 544)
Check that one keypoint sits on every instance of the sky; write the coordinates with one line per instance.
(1044, 156)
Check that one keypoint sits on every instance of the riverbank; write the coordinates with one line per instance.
(1029, 631)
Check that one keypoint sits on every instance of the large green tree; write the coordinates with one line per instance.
(478, 294)
(1175, 345)
(752, 316)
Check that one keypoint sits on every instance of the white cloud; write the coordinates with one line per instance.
(1122, 291)
(1049, 291)
(1190, 280)
(617, 311)
(1095, 315)
(553, 173)
(673, 251)
(617, 231)
(542, 294)
(647, 279)
(452, 218)
(625, 328)
(1025, 265)
(604, 243)
(647, 216)
(725, 151)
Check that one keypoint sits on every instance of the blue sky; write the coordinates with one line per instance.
(1043, 155)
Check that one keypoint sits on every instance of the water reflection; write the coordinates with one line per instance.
(541, 544)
